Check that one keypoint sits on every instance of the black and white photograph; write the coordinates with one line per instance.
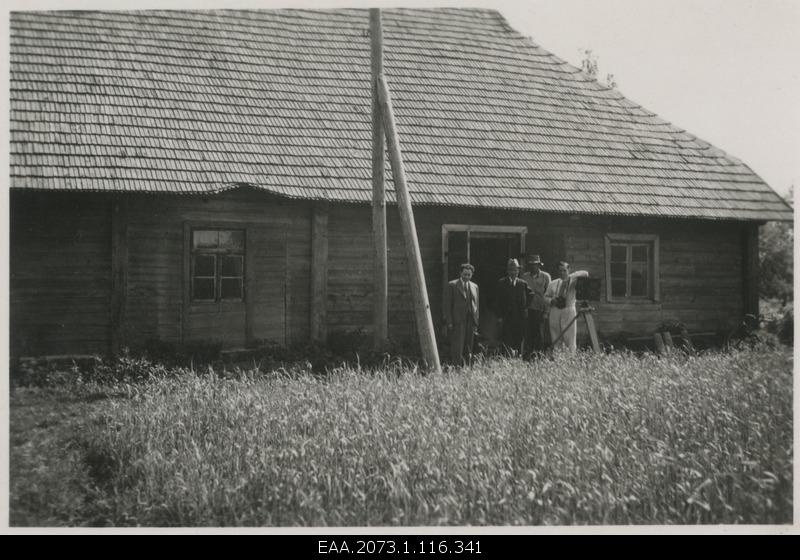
(400, 268)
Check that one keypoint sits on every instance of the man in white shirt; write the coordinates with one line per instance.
(560, 296)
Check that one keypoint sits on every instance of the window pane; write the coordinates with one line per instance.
(231, 288)
(618, 287)
(231, 266)
(639, 253)
(618, 270)
(619, 253)
(204, 239)
(204, 265)
(203, 289)
(232, 241)
(639, 279)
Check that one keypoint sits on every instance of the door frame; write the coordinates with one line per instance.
(471, 229)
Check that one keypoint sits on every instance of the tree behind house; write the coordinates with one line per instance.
(776, 259)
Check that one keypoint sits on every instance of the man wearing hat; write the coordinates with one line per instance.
(537, 280)
(511, 307)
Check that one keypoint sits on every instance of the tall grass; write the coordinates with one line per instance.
(613, 439)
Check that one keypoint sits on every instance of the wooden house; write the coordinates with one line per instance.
(206, 175)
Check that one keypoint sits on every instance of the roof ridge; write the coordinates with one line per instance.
(501, 19)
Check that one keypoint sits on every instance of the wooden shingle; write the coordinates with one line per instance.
(199, 101)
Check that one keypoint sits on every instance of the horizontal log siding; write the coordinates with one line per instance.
(61, 267)
(350, 272)
(700, 267)
(60, 273)
(280, 231)
(700, 274)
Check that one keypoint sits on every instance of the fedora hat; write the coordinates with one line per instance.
(534, 259)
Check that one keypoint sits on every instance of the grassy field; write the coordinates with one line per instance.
(613, 439)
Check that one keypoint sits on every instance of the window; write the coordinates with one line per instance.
(217, 265)
(632, 267)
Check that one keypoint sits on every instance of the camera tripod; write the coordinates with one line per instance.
(584, 310)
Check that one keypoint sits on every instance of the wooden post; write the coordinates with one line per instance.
(750, 269)
(381, 282)
(119, 270)
(592, 332)
(419, 292)
(250, 283)
(659, 343)
(687, 341)
(319, 272)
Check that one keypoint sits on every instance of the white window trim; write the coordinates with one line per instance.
(634, 238)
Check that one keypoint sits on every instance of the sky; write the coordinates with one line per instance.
(727, 71)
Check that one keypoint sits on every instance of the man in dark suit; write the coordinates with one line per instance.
(461, 314)
(511, 307)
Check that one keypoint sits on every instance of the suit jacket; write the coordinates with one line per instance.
(512, 301)
(457, 304)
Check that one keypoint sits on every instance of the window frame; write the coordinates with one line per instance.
(630, 240)
(218, 264)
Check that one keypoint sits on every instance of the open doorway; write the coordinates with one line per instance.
(487, 248)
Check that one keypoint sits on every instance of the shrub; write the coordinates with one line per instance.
(780, 323)
(776, 261)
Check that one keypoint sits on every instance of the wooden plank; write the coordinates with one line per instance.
(656, 269)
(287, 295)
(267, 318)
(659, 342)
(319, 272)
(607, 246)
(380, 295)
(416, 273)
(187, 279)
(592, 332)
(251, 280)
(119, 271)
(750, 269)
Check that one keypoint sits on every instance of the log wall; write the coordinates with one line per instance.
(92, 272)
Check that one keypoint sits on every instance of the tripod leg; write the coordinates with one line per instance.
(575, 318)
(592, 332)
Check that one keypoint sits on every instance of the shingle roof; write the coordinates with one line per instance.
(201, 101)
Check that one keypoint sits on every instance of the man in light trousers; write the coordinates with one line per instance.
(560, 296)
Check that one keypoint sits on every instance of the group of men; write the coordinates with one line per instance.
(523, 303)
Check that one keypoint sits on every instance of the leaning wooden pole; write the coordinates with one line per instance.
(419, 292)
(381, 280)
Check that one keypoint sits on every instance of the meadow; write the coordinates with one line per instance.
(610, 439)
